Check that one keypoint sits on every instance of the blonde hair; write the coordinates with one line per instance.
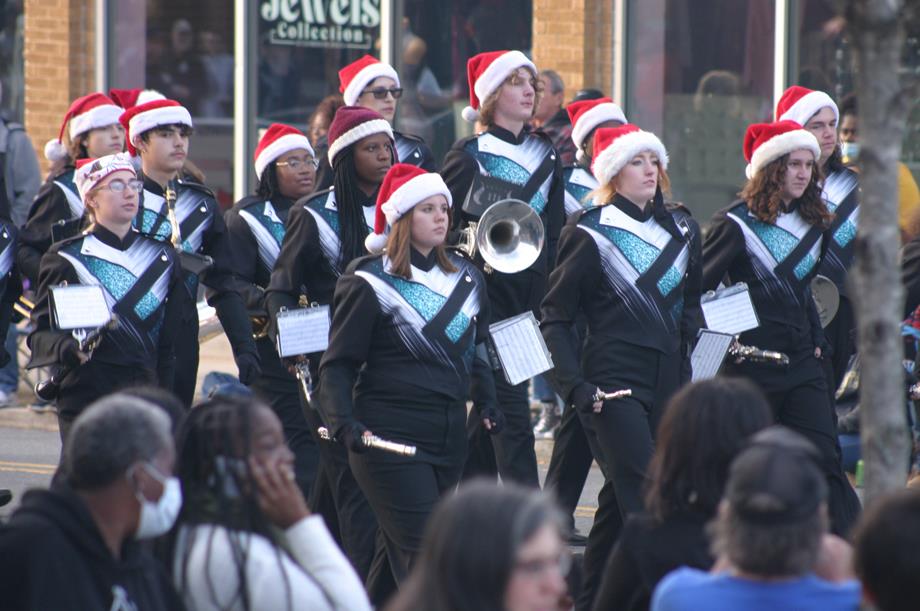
(604, 194)
(487, 106)
(399, 243)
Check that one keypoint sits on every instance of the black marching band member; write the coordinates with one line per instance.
(182, 212)
(817, 113)
(140, 279)
(773, 240)
(503, 96)
(404, 355)
(373, 84)
(92, 130)
(324, 233)
(286, 168)
(632, 267)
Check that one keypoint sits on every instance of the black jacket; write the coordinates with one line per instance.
(409, 149)
(52, 556)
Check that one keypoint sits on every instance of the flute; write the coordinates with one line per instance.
(372, 441)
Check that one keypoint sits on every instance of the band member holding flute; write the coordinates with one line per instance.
(176, 210)
(405, 347)
(772, 240)
(325, 232)
(507, 158)
(286, 168)
(142, 284)
(631, 265)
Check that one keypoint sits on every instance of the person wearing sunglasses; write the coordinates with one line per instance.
(140, 278)
(179, 211)
(372, 84)
(286, 168)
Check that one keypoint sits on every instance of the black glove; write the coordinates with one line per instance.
(249, 367)
(69, 353)
(496, 417)
(350, 435)
(582, 398)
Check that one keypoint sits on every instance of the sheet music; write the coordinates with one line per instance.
(520, 347)
(730, 310)
(303, 331)
(79, 306)
(709, 354)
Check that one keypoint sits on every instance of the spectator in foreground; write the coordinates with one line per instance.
(886, 559)
(767, 537)
(490, 548)
(704, 426)
(75, 546)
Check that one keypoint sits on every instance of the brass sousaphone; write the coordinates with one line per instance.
(509, 236)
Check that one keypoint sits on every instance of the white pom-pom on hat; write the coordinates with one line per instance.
(55, 150)
(375, 242)
(470, 114)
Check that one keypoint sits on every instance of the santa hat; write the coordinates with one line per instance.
(614, 147)
(144, 117)
(404, 187)
(585, 115)
(352, 123)
(486, 72)
(90, 172)
(800, 104)
(354, 77)
(89, 112)
(277, 140)
(767, 142)
(129, 98)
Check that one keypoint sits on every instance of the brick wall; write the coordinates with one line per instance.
(575, 38)
(59, 63)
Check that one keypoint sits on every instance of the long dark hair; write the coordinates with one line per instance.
(268, 187)
(470, 547)
(763, 195)
(213, 450)
(349, 199)
(703, 427)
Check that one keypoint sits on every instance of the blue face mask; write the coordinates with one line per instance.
(849, 150)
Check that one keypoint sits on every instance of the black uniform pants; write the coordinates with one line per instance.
(569, 464)
(511, 452)
(186, 345)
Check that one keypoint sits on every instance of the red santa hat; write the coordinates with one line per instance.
(767, 142)
(129, 98)
(353, 123)
(144, 117)
(90, 172)
(404, 187)
(614, 147)
(486, 72)
(585, 115)
(277, 140)
(89, 112)
(800, 104)
(354, 77)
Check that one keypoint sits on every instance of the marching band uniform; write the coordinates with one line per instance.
(256, 229)
(401, 360)
(202, 232)
(57, 210)
(528, 168)
(635, 275)
(777, 261)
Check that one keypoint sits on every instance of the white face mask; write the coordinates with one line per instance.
(158, 517)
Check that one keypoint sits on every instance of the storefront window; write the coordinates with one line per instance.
(11, 60)
(185, 51)
(697, 74)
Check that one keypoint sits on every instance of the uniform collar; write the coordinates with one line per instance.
(422, 262)
(631, 210)
(110, 239)
(503, 134)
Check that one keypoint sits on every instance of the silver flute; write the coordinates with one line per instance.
(607, 396)
(756, 355)
(372, 441)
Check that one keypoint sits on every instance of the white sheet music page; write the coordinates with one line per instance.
(303, 331)
(79, 306)
(730, 310)
(709, 353)
(520, 347)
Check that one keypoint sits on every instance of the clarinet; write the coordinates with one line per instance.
(372, 441)
(756, 355)
(48, 390)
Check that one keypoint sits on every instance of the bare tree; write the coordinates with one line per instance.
(885, 95)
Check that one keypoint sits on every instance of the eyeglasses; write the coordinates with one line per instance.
(538, 567)
(296, 164)
(118, 186)
(380, 93)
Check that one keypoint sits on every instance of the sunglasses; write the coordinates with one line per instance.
(380, 93)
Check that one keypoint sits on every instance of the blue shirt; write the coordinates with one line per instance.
(692, 589)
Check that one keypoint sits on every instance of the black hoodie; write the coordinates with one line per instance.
(52, 556)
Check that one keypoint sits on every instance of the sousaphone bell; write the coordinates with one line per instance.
(509, 236)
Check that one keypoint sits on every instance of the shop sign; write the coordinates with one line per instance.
(344, 24)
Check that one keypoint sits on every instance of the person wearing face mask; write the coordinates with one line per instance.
(773, 240)
(140, 279)
(245, 538)
(286, 168)
(504, 93)
(180, 212)
(631, 266)
(76, 546)
(372, 84)
(90, 130)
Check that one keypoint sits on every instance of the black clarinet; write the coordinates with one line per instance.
(48, 390)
